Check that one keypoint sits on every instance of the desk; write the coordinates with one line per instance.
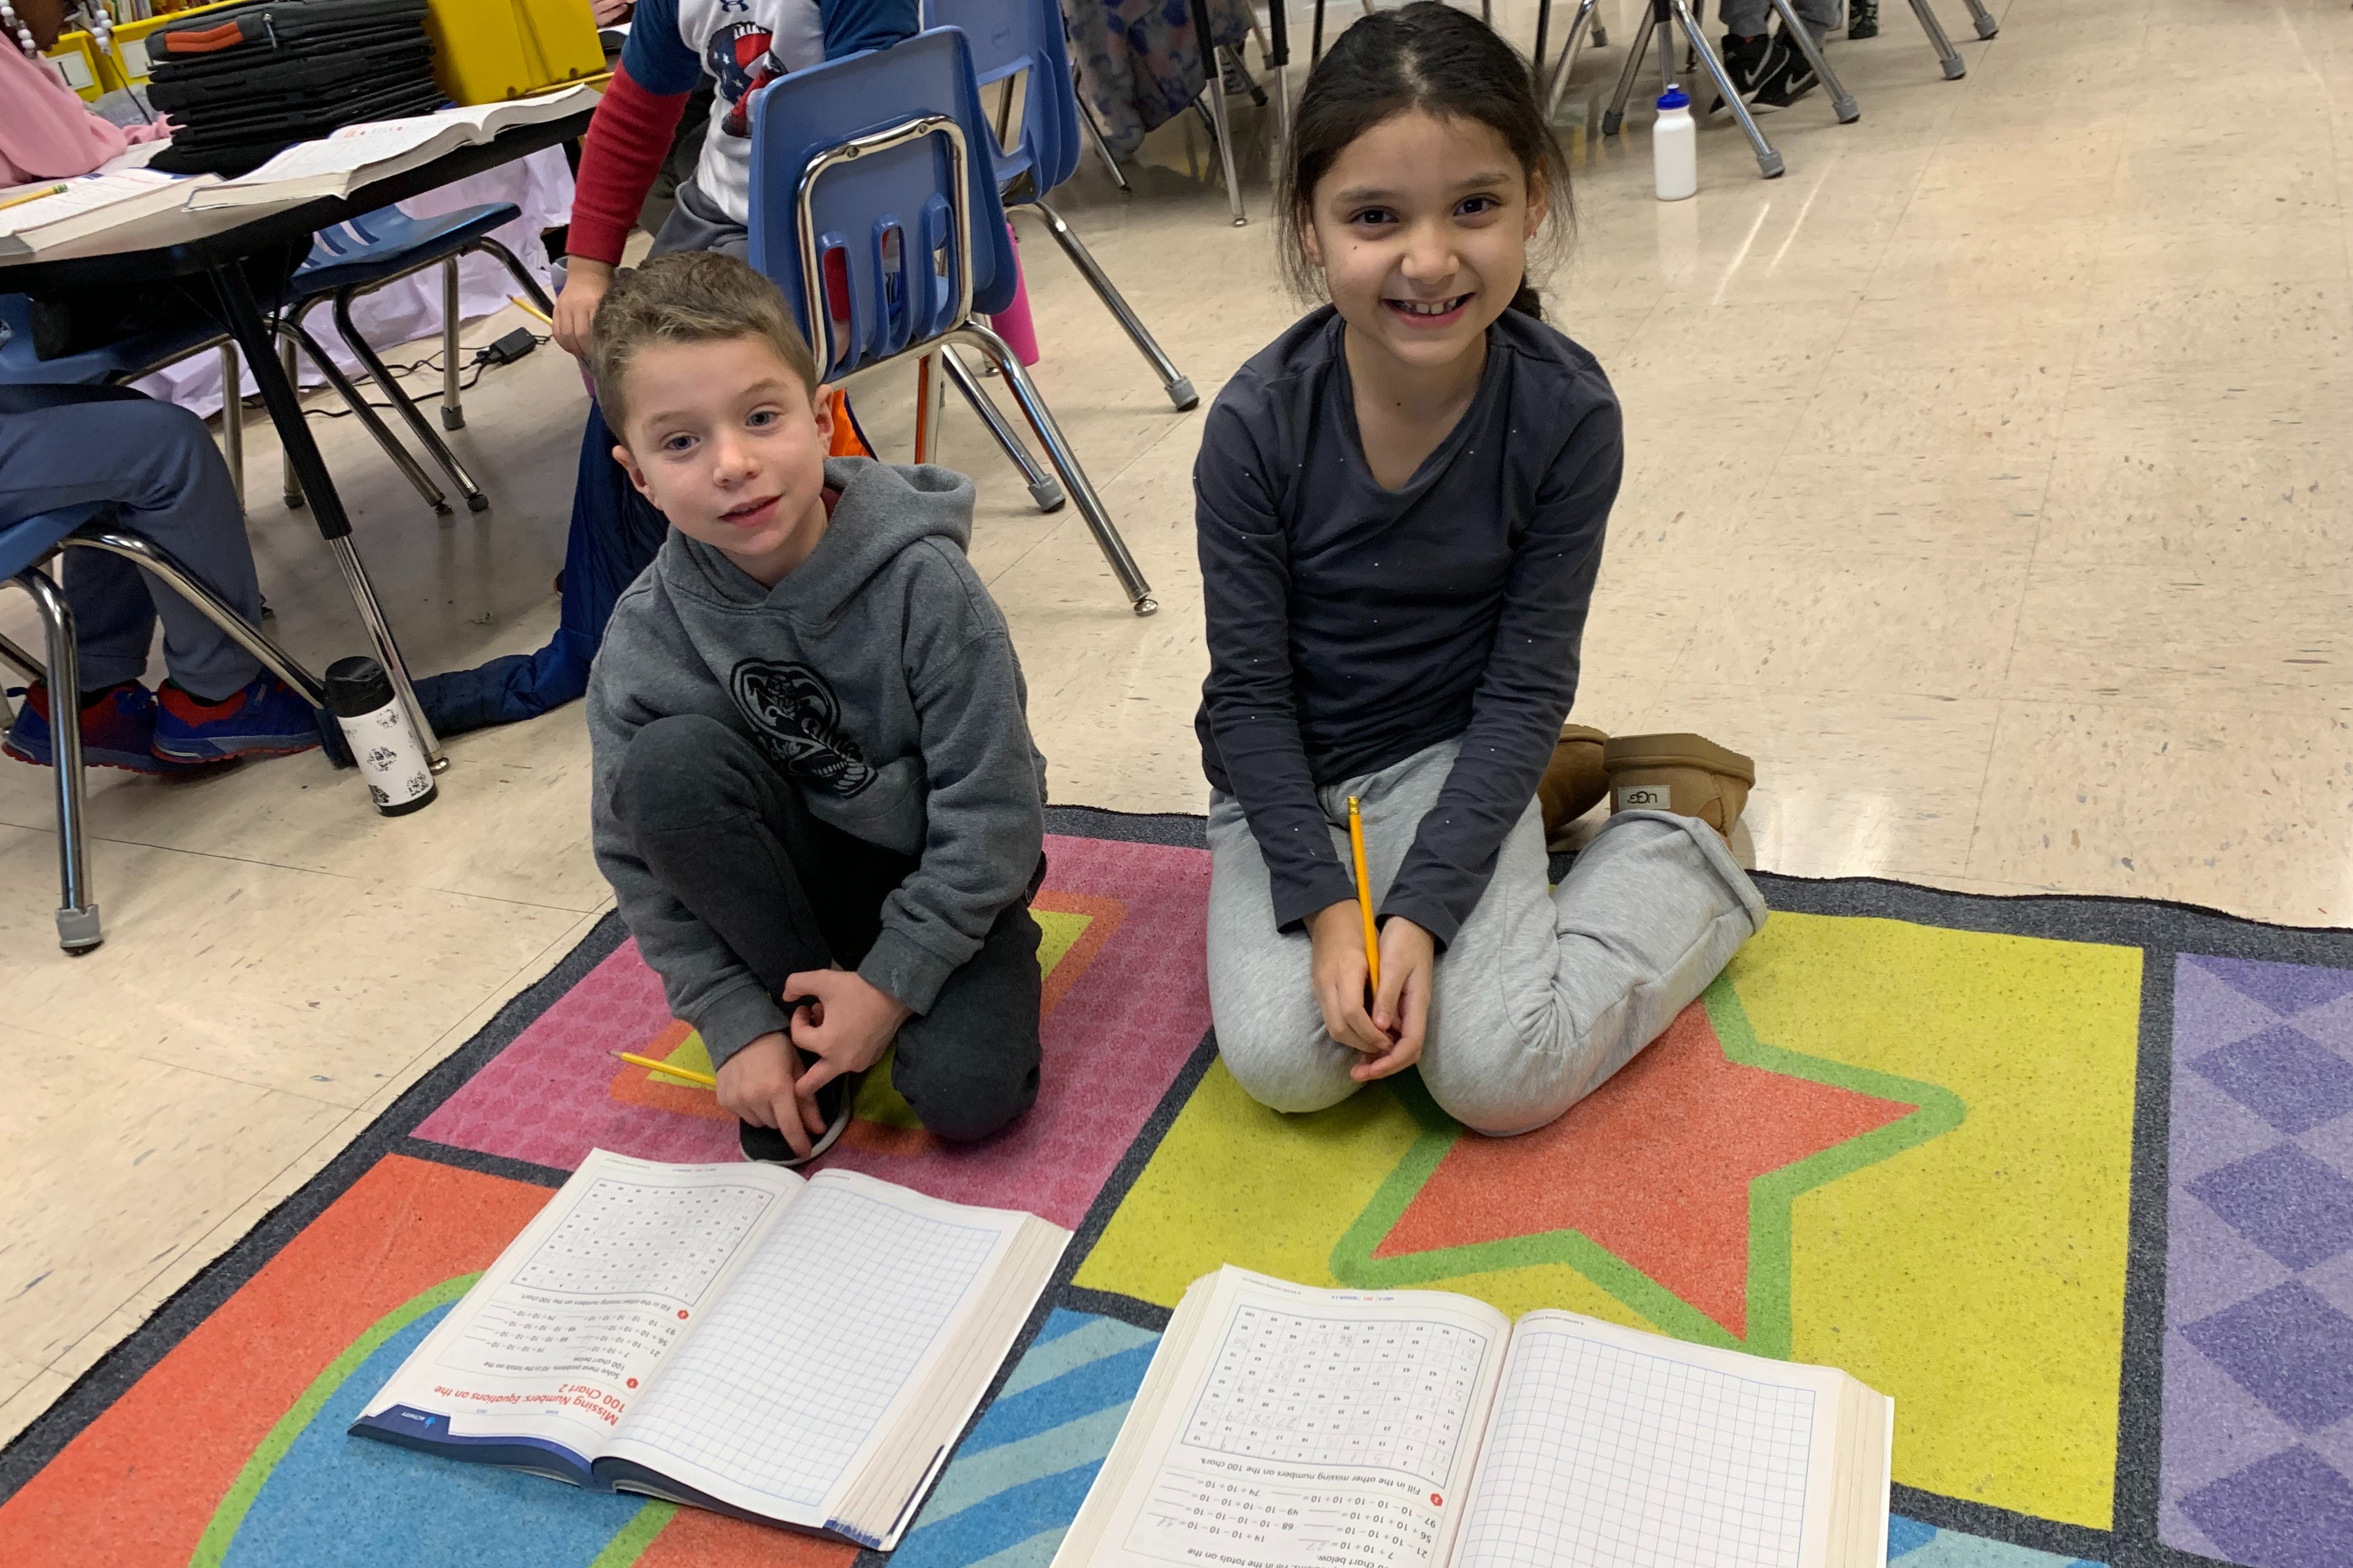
(183, 244)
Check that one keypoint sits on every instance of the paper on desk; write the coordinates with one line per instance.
(82, 196)
(350, 148)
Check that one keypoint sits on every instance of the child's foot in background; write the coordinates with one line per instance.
(1786, 75)
(1744, 62)
(265, 717)
(1687, 774)
(1862, 18)
(118, 729)
(1574, 782)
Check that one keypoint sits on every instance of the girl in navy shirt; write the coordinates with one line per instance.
(1400, 503)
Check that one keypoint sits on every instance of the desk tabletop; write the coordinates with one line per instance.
(180, 243)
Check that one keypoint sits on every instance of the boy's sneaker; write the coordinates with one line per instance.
(1862, 18)
(834, 1102)
(1744, 62)
(1786, 77)
(118, 729)
(267, 718)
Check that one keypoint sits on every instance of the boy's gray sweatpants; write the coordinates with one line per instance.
(1747, 18)
(1542, 995)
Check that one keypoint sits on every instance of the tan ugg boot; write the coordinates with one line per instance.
(1687, 774)
(1574, 782)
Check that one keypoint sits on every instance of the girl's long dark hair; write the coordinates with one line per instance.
(1426, 56)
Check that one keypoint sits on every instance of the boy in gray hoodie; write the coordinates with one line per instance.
(816, 796)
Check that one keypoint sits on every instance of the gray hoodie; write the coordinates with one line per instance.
(880, 677)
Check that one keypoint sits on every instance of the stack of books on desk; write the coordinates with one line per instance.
(244, 83)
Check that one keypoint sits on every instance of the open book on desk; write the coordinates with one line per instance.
(88, 206)
(357, 155)
(733, 1337)
(1282, 1427)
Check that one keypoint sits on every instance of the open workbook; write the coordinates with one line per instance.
(341, 161)
(792, 1352)
(1282, 1427)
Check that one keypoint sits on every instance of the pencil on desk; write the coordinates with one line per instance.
(1365, 895)
(23, 196)
(689, 1074)
(528, 309)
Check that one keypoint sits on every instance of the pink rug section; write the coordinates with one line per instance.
(1111, 1048)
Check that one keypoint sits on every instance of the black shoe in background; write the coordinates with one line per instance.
(1862, 18)
(1786, 76)
(1744, 62)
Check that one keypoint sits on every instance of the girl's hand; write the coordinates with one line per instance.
(1402, 1008)
(1338, 933)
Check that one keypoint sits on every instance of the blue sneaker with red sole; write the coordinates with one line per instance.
(118, 729)
(266, 718)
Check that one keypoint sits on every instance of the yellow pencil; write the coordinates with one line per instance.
(688, 1074)
(23, 196)
(528, 309)
(1364, 895)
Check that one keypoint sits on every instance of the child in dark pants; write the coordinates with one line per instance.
(816, 796)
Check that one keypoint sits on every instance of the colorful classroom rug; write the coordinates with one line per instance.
(2070, 1179)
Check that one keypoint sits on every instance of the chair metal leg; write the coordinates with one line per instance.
(387, 652)
(453, 409)
(1983, 19)
(518, 271)
(1842, 102)
(1044, 488)
(1615, 115)
(1066, 463)
(1579, 26)
(1949, 57)
(26, 665)
(232, 416)
(143, 552)
(1769, 159)
(1093, 128)
(426, 436)
(1213, 88)
(293, 485)
(1178, 384)
(360, 406)
(77, 918)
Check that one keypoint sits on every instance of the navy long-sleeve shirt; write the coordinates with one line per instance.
(1350, 626)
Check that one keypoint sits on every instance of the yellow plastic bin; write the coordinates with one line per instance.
(486, 51)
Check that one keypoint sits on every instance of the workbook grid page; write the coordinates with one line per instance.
(1307, 1390)
(639, 1238)
(794, 1368)
(1605, 1457)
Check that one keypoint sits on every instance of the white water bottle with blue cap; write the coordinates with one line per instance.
(1674, 147)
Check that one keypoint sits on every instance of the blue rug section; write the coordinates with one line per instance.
(1017, 1483)
(1918, 1545)
(336, 1500)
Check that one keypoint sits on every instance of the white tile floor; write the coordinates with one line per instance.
(1983, 481)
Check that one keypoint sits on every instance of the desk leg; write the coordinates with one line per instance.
(278, 395)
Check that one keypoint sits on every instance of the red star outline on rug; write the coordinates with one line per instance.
(1669, 1186)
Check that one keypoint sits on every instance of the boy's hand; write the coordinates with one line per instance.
(1338, 932)
(585, 283)
(755, 1084)
(1402, 1008)
(852, 1026)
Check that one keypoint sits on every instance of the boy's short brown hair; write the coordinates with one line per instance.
(688, 297)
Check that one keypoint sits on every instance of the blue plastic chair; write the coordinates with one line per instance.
(368, 252)
(25, 547)
(904, 238)
(1008, 37)
(117, 363)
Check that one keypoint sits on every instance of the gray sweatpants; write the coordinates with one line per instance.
(161, 465)
(1545, 992)
(1746, 18)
